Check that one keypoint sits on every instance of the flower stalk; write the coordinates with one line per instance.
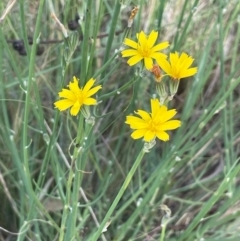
(70, 211)
(119, 195)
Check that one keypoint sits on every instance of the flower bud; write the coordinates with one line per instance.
(157, 72)
(132, 16)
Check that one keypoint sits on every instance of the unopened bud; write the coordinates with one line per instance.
(167, 214)
(132, 16)
(157, 72)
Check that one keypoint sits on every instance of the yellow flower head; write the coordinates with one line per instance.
(154, 124)
(144, 49)
(178, 67)
(76, 97)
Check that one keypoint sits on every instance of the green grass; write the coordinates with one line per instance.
(55, 184)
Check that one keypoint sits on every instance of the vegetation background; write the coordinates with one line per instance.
(196, 173)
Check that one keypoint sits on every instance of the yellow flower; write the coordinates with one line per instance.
(144, 49)
(76, 97)
(178, 67)
(154, 124)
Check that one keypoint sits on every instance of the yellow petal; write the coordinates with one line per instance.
(168, 115)
(162, 135)
(130, 43)
(63, 104)
(186, 61)
(138, 125)
(89, 101)
(73, 86)
(155, 106)
(67, 94)
(75, 109)
(129, 52)
(149, 135)
(174, 59)
(134, 60)
(189, 72)
(131, 119)
(162, 110)
(148, 62)
(138, 134)
(164, 64)
(161, 113)
(160, 46)
(93, 91)
(135, 122)
(152, 39)
(88, 85)
(159, 57)
(145, 116)
(170, 125)
(142, 38)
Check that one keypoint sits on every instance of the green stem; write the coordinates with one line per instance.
(105, 66)
(119, 195)
(129, 83)
(160, 13)
(85, 43)
(70, 43)
(93, 46)
(24, 29)
(111, 33)
(25, 142)
(66, 205)
(50, 145)
(78, 158)
(74, 180)
(225, 112)
(163, 232)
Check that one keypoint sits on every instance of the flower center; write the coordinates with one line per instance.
(80, 97)
(152, 125)
(144, 50)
